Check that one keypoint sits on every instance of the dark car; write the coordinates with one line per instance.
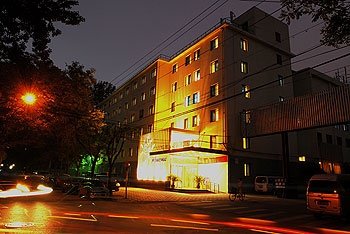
(93, 188)
(72, 184)
(114, 181)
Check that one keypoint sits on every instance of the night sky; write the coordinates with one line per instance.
(117, 33)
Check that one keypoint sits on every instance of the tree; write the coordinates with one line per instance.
(22, 21)
(334, 13)
(102, 90)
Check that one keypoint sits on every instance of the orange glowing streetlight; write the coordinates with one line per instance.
(29, 98)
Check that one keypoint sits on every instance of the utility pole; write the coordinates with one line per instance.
(126, 179)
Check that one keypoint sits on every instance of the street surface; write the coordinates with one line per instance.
(150, 211)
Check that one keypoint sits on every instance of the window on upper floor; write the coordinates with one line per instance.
(247, 169)
(131, 152)
(246, 91)
(278, 36)
(245, 143)
(196, 55)
(214, 43)
(151, 110)
(134, 101)
(126, 105)
(119, 110)
(195, 98)
(143, 80)
(121, 95)
(197, 75)
(132, 118)
(195, 121)
(143, 96)
(280, 80)
(212, 142)
(244, 67)
(174, 87)
(186, 123)
(214, 66)
(214, 90)
(154, 73)
(188, 79)
(279, 59)
(150, 128)
(175, 68)
(173, 106)
(152, 91)
(127, 91)
(214, 115)
(244, 44)
(141, 113)
(188, 60)
(247, 116)
(134, 85)
(282, 99)
(188, 100)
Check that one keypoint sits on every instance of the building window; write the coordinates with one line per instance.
(174, 87)
(130, 152)
(282, 99)
(214, 66)
(197, 75)
(246, 91)
(175, 68)
(185, 123)
(214, 43)
(247, 169)
(141, 113)
(329, 139)
(119, 110)
(302, 158)
(132, 118)
(214, 90)
(173, 107)
(195, 121)
(134, 101)
(196, 55)
(126, 105)
(127, 91)
(143, 80)
(143, 96)
(188, 79)
(187, 60)
(188, 100)
(339, 141)
(246, 143)
(150, 128)
(152, 91)
(151, 110)
(247, 116)
(347, 143)
(280, 80)
(135, 85)
(121, 95)
(244, 67)
(212, 142)
(154, 73)
(279, 59)
(244, 44)
(195, 98)
(278, 36)
(214, 115)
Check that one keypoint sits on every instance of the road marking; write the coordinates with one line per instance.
(7, 230)
(251, 211)
(293, 218)
(188, 221)
(235, 208)
(72, 214)
(185, 227)
(123, 216)
(74, 218)
(257, 230)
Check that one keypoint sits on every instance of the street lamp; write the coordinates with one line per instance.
(29, 98)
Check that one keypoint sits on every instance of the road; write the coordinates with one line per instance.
(149, 211)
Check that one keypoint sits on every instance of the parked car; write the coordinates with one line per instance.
(266, 184)
(114, 181)
(71, 185)
(93, 188)
(329, 194)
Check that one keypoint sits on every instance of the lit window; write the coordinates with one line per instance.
(127, 91)
(132, 118)
(246, 143)
(246, 169)
(214, 66)
(121, 95)
(154, 73)
(173, 107)
(188, 100)
(212, 142)
(126, 105)
(282, 99)
(247, 117)
(302, 158)
(174, 87)
(214, 43)
(130, 152)
(195, 121)
(187, 60)
(195, 98)
(141, 113)
(246, 91)
(143, 80)
(188, 79)
(280, 80)
(134, 101)
(175, 68)
(197, 54)
(143, 96)
(244, 67)
(150, 128)
(197, 75)
(214, 90)
(185, 123)
(152, 91)
(279, 59)
(278, 36)
(135, 85)
(244, 44)
(214, 115)
(151, 110)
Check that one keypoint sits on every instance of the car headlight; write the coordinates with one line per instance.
(117, 184)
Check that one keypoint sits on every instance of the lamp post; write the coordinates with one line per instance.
(29, 98)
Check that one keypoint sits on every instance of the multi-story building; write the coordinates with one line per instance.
(195, 102)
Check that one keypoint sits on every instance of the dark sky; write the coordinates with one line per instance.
(118, 33)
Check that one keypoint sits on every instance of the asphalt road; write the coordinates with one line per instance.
(148, 211)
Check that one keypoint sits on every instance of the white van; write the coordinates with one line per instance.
(329, 194)
(265, 184)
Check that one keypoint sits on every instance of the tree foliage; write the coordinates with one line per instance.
(101, 90)
(334, 13)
